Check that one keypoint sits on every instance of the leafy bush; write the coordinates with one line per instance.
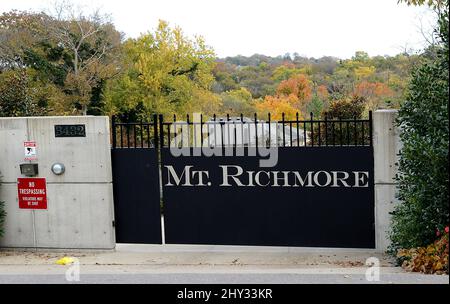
(343, 133)
(430, 259)
(423, 167)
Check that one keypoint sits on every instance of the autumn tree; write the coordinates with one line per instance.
(291, 97)
(93, 45)
(17, 98)
(298, 85)
(277, 106)
(20, 34)
(284, 72)
(257, 79)
(166, 72)
(73, 52)
(377, 94)
(236, 102)
(224, 80)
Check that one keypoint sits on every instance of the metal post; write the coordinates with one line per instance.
(134, 135)
(298, 130)
(242, 131)
(228, 130)
(201, 130)
(175, 130)
(113, 125)
(270, 132)
(284, 131)
(128, 135)
(256, 130)
(188, 131)
(333, 131)
(155, 131)
(370, 129)
(142, 135)
(326, 129)
(148, 135)
(215, 131)
(161, 131)
(312, 128)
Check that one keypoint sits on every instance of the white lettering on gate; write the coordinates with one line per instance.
(359, 177)
(316, 179)
(302, 181)
(186, 173)
(257, 179)
(225, 175)
(233, 175)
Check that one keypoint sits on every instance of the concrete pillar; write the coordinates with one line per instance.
(80, 202)
(386, 145)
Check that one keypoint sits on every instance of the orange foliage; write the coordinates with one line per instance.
(322, 92)
(373, 89)
(290, 96)
(277, 105)
(298, 86)
(288, 64)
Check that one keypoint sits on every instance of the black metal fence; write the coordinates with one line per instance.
(241, 131)
(318, 193)
(134, 134)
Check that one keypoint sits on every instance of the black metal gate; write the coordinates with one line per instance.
(320, 193)
(136, 182)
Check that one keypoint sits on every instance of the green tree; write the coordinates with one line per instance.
(92, 45)
(224, 78)
(238, 102)
(73, 51)
(17, 98)
(284, 72)
(315, 106)
(166, 73)
(423, 168)
(344, 109)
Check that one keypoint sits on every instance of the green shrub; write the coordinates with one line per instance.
(342, 133)
(423, 167)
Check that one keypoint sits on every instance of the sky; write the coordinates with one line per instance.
(311, 28)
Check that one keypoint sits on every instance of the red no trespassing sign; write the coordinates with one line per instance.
(32, 193)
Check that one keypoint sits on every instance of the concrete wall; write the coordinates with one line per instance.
(80, 202)
(386, 144)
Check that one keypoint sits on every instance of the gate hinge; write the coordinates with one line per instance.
(114, 223)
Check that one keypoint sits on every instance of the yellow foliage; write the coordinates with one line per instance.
(364, 72)
(277, 105)
(168, 73)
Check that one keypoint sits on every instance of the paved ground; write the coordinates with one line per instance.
(205, 264)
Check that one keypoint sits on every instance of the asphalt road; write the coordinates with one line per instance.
(205, 265)
(212, 278)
